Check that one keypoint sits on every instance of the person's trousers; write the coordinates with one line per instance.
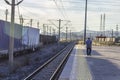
(88, 51)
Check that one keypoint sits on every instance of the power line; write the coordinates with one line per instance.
(64, 11)
(18, 11)
(97, 1)
(59, 9)
(30, 12)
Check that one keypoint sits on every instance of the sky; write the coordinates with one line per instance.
(67, 10)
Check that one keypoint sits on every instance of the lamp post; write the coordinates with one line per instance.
(85, 24)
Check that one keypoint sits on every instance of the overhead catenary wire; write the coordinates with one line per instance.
(30, 13)
(72, 7)
(59, 9)
(2, 10)
(98, 1)
(64, 11)
(18, 11)
(77, 9)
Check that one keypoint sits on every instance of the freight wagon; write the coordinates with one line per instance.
(24, 37)
(5, 33)
(30, 37)
(47, 39)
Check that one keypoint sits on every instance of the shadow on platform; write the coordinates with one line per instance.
(93, 52)
(103, 69)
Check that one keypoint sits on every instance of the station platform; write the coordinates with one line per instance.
(76, 67)
(103, 64)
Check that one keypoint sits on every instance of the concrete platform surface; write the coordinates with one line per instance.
(103, 64)
(76, 67)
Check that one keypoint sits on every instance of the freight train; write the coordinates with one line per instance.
(25, 37)
(47, 39)
(117, 40)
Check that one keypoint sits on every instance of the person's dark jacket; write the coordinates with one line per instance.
(88, 43)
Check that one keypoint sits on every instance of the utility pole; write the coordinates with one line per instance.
(50, 30)
(21, 20)
(70, 35)
(44, 29)
(117, 33)
(101, 22)
(104, 16)
(66, 32)
(59, 29)
(31, 22)
(6, 14)
(101, 25)
(85, 24)
(11, 40)
(47, 29)
(38, 24)
(112, 34)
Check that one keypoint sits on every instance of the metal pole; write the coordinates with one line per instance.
(50, 30)
(104, 24)
(66, 33)
(117, 33)
(70, 35)
(31, 20)
(20, 18)
(22, 21)
(6, 13)
(11, 42)
(112, 34)
(38, 24)
(85, 24)
(11, 37)
(44, 29)
(101, 25)
(47, 29)
(59, 30)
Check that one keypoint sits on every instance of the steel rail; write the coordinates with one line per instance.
(59, 69)
(30, 76)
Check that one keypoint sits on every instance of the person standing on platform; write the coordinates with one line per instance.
(88, 46)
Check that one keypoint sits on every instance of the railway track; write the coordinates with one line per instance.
(51, 69)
